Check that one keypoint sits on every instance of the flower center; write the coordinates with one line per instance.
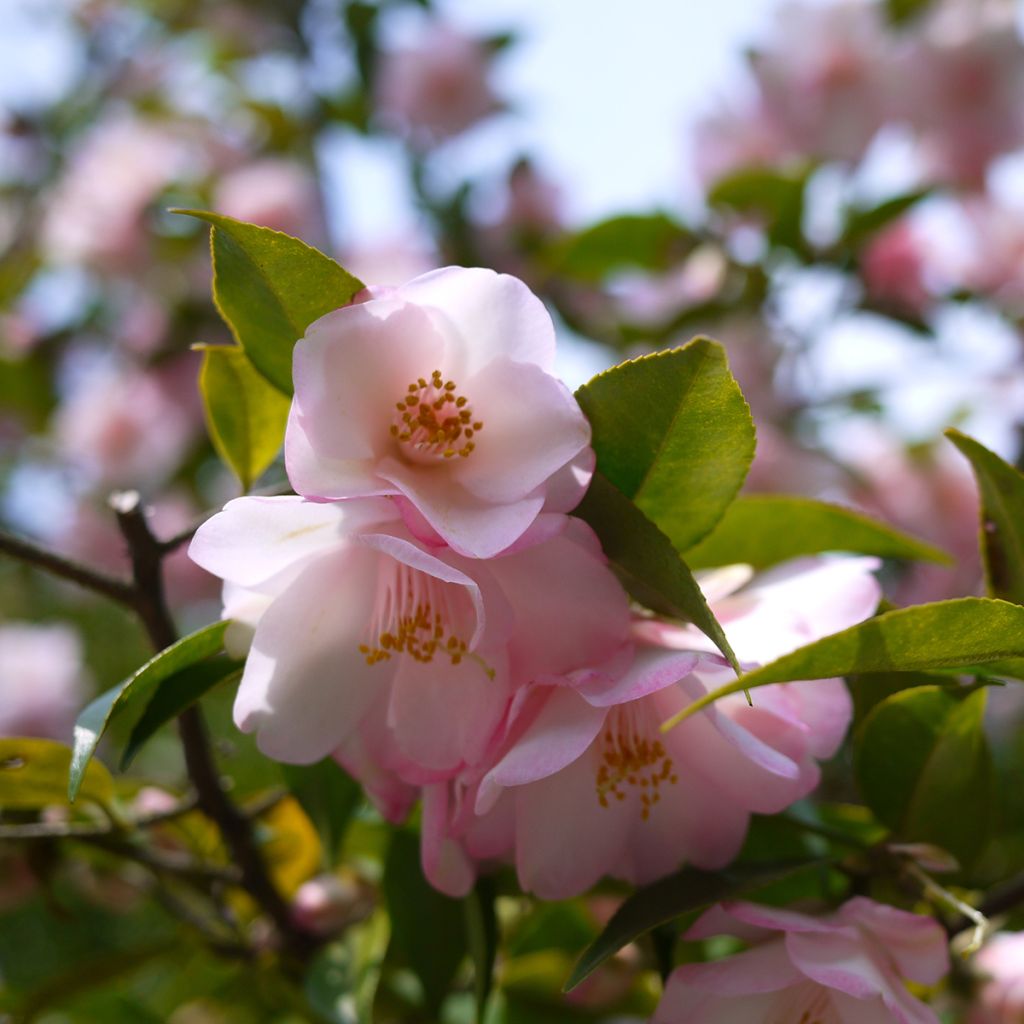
(433, 421)
(630, 757)
(418, 615)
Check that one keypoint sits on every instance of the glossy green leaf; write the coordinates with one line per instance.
(657, 904)
(131, 697)
(482, 939)
(650, 242)
(650, 568)
(34, 773)
(967, 634)
(270, 287)
(673, 432)
(924, 768)
(176, 693)
(245, 414)
(1002, 518)
(329, 796)
(428, 928)
(765, 529)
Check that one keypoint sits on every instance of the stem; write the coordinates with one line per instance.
(150, 603)
(970, 917)
(67, 569)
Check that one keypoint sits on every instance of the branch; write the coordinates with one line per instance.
(146, 554)
(67, 569)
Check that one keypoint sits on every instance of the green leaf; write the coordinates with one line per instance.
(777, 197)
(175, 694)
(657, 904)
(34, 773)
(133, 695)
(428, 928)
(329, 796)
(482, 938)
(342, 980)
(245, 414)
(900, 11)
(863, 222)
(924, 768)
(269, 287)
(650, 242)
(765, 529)
(1002, 518)
(651, 569)
(967, 634)
(673, 432)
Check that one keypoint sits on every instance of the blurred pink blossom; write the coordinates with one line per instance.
(961, 87)
(823, 77)
(130, 427)
(43, 680)
(931, 494)
(893, 266)
(1000, 995)
(96, 214)
(845, 967)
(732, 138)
(437, 88)
(275, 193)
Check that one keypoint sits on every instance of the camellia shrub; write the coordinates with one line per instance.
(688, 696)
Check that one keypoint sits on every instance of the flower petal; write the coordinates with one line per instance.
(916, 943)
(532, 427)
(306, 686)
(565, 840)
(350, 369)
(444, 715)
(564, 727)
(475, 528)
(253, 539)
(489, 315)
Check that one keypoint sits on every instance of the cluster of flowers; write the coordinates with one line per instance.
(426, 611)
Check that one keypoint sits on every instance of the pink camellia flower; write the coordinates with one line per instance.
(346, 610)
(1000, 996)
(438, 88)
(846, 968)
(589, 750)
(43, 680)
(440, 392)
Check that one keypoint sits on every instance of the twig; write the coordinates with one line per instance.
(972, 917)
(67, 569)
(235, 827)
(1002, 900)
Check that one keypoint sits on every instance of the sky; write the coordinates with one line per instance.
(603, 101)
